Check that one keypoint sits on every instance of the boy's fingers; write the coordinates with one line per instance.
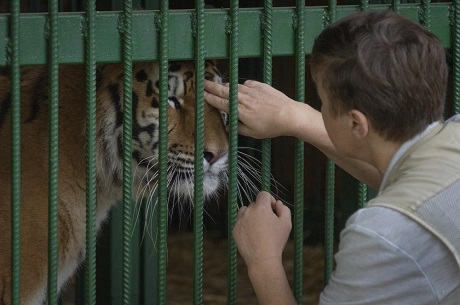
(264, 197)
(216, 89)
(216, 102)
(251, 83)
(242, 210)
(281, 210)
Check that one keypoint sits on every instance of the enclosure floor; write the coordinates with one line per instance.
(180, 272)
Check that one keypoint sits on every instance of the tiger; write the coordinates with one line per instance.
(109, 149)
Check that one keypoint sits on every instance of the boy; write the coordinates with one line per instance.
(382, 80)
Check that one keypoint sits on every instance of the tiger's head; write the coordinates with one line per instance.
(145, 134)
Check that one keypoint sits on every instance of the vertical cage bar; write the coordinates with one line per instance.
(15, 156)
(90, 54)
(233, 145)
(127, 135)
(456, 57)
(330, 189)
(396, 5)
(362, 194)
(163, 153)
(332, 11)
(362, 188)
(299, 157)
(267, 78)
(364, 5)
(329, 232)
(199, 148)
(425, 14)
(53, 154)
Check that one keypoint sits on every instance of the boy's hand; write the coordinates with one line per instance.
(262, 230)
(263, 111)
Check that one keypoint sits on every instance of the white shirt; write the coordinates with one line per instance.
(387, 258)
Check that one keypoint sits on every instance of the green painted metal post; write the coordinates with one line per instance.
(330, 184)
(267, 78)
(362, 188)
(127, 148)
(163, 153)
(456, 57)
(53, 154)
(233, 145)
(425, 14)
(199, 148)
(90, 52)
(299, 156)
(15, 155)
(364, 5)
(33, 49)
(396, 5)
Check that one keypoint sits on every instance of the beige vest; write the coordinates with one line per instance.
(424, 184)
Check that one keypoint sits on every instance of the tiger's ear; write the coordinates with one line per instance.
(221, 67)
(210, 63)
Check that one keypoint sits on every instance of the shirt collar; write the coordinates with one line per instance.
(405, 147)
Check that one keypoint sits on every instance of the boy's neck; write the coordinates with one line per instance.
(381, 152)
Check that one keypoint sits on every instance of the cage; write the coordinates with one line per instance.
(263, 40)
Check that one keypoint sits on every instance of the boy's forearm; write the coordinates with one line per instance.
(271, 285)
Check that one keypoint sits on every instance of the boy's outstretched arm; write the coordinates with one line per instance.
(265, 112)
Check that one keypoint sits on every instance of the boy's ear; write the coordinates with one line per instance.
(359, 124)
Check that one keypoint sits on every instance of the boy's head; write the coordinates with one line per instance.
(387, 67)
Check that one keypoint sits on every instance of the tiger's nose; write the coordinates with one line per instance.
(213, 156)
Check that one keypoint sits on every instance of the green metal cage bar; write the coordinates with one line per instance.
(329, 220)
(126, 28)
(163, 153)
(15, 155)
(199, 148)
(53, 154)
(267, 78)
(331, 12)
(364, 5)
(90, 53)
(108, 49)
(362, 188)
(456, 57)
(362, 194)
(396, 5)
(299, 162)
(425, 14)
(233, 29)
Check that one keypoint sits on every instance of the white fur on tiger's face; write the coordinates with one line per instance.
(109, 141)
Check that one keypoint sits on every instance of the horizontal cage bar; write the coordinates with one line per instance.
(146, 37)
